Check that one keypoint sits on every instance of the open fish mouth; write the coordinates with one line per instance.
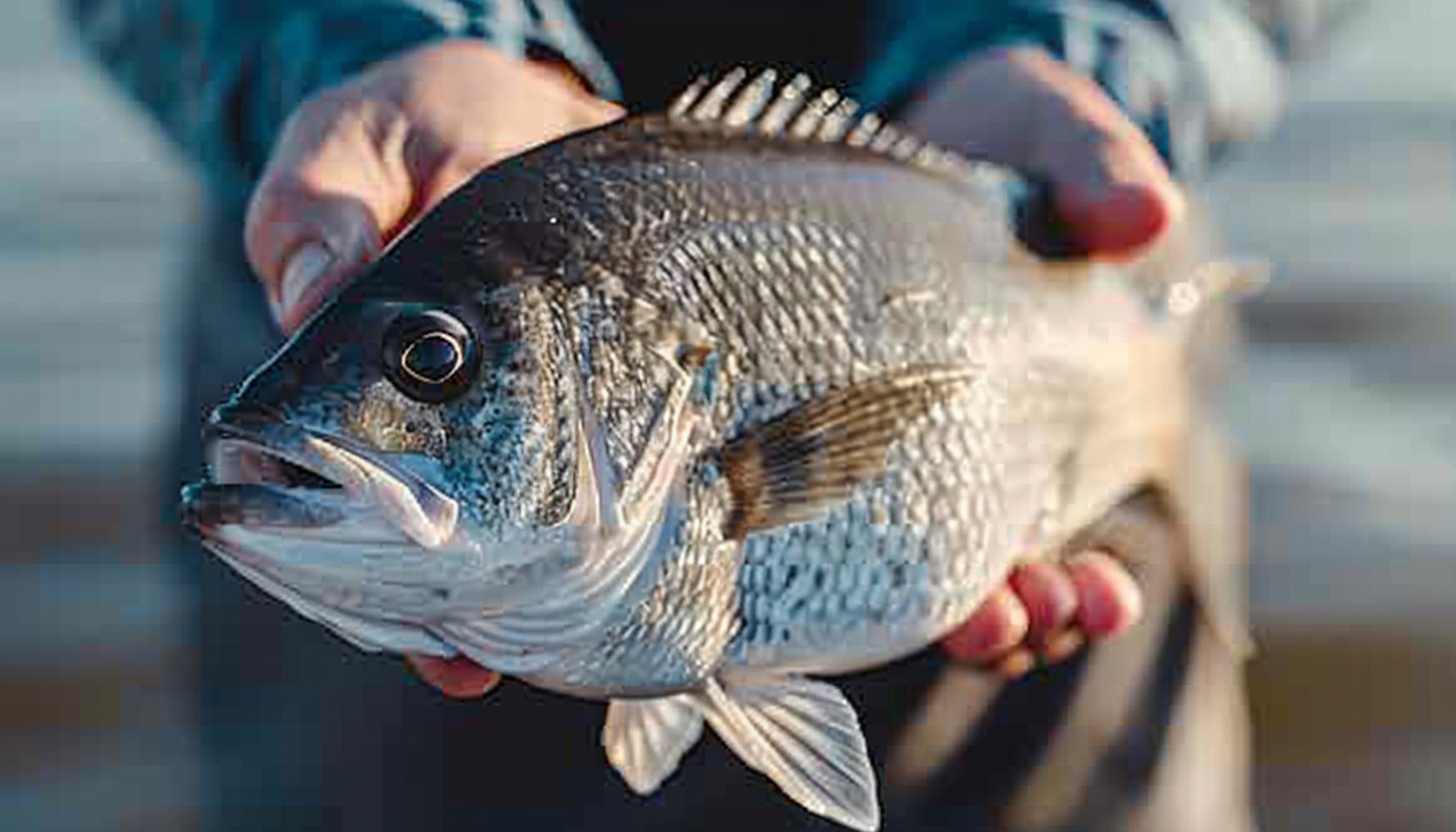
(267, 473)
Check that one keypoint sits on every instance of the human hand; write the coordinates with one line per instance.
(1025, 109)
(359, 162)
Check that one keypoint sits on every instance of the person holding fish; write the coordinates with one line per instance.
(327, 130)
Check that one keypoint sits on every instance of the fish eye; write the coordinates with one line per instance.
(429, 356)
(433, 358)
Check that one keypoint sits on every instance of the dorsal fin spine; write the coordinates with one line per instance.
(766, 106)
(863, 132)
(688, 97)
(906, 148)
(750, 102)
(807, 124)
(885, 138)
(784, 106)
(836, 125)
(710, 106)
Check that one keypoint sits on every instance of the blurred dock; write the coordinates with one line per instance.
(93, 707)
(1345, 408)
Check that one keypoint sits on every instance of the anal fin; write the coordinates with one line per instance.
(805, 736)
(645, 739)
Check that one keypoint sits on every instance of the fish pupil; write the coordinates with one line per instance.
(429, 356)
(433, 358)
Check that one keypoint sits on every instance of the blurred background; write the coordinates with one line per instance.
(1345, 409)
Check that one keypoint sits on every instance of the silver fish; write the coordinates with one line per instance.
(680, 411)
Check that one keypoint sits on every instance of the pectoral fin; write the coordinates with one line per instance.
(645, 739)
(805, 736)
(792, 468)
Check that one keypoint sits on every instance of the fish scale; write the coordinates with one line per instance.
(744, 391)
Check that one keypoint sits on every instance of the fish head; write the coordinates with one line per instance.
(413, 453)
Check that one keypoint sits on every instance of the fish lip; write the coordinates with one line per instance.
(240, 434)
(208, 506)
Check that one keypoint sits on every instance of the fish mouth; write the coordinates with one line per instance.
(268, 473)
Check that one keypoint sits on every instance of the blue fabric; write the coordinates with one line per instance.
(221, 76)
(921, 38)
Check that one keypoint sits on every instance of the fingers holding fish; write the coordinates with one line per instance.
(1047, 612)
(324, 204)
(1049, 597)
(1108, 599)
(459, 677)
(997, 627)
(1025, 108)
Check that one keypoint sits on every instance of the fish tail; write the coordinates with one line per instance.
(1194, 289)
(1157, 426)
(1200, 313)
(1203, 479)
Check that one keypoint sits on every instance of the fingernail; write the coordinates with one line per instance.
(307, 265)
(1049, 596)
(1019, 663)
(998, 625)
(1061, 646)
(457, 677)
(1109, 599)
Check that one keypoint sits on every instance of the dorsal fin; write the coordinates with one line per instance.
(784, 105)
(809, 119)
(764, 105)
(748, 105)
(837, 123)
(712, 103)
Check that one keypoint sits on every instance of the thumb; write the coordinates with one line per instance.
(326, 202)
(1024, 108)
(1111, 187)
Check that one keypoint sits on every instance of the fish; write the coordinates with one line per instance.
(692, 411)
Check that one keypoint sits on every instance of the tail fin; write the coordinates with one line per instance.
(1206, 494)
(1194, 289)
(1200, 310)
(1193, 285)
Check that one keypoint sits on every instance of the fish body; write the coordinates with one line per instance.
(683, 410)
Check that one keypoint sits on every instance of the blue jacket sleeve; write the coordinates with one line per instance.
(221, 76)
(1195, 75)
